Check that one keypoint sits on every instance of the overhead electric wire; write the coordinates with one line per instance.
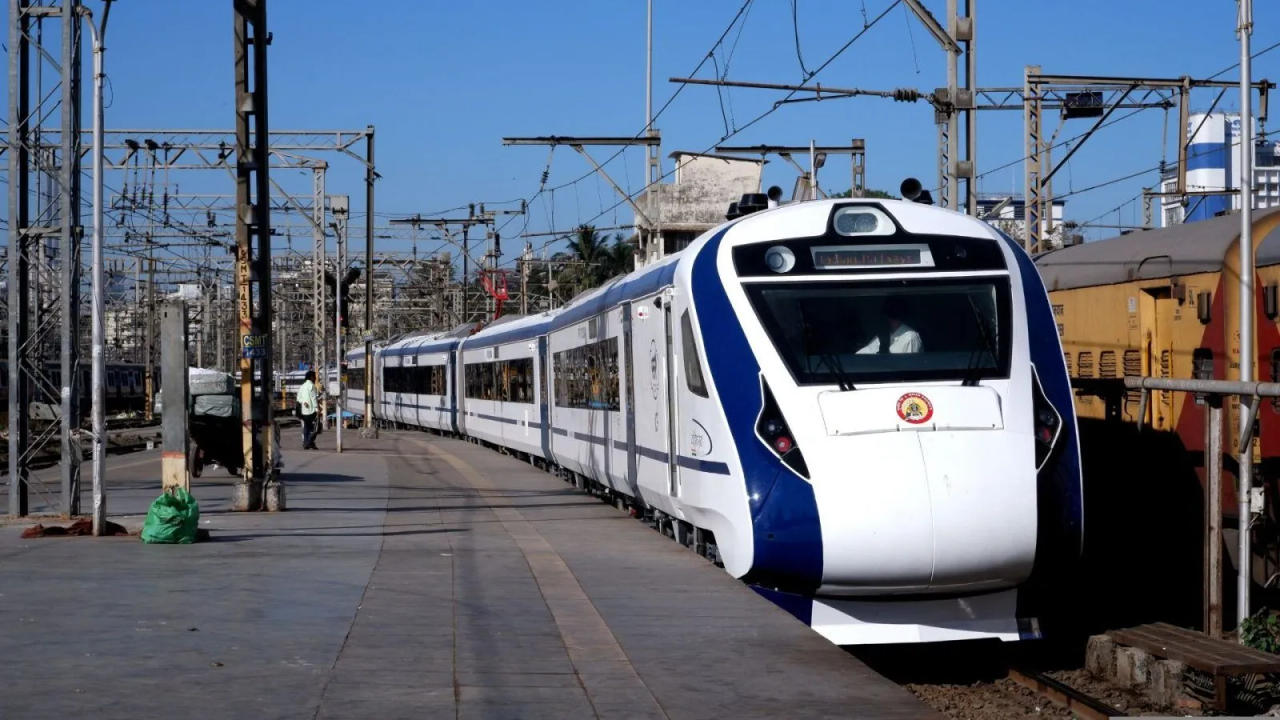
(777, 104)
(1223, 71)
(742, 10)
(795, 31)
(1254, 56)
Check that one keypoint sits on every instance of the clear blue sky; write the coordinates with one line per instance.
(444, 81)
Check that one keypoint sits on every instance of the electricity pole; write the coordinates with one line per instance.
(318, 324)
(369, 177)
(338, 204)
(1247, 355)
(98, 375)
(259, 479)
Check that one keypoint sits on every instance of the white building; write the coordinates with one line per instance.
(1214, 164)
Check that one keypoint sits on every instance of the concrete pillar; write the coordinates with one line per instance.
(1132, 667)
(173, 368)
(1100, 656)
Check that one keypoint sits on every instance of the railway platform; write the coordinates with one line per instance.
(412, 576)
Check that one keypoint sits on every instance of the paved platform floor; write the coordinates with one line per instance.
(412, 576)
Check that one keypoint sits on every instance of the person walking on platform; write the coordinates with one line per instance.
(307, 405)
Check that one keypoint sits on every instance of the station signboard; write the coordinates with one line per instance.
(255, 347)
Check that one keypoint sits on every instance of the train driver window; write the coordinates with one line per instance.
(895, 335)
(692, 366)
(870, 331)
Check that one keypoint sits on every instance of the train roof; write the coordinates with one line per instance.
(1177, 250)
(513, 327)
(587, 304)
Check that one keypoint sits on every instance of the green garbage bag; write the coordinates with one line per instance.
(174, 517)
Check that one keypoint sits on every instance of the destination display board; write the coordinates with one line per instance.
(857, 257)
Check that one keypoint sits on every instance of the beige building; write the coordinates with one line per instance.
(693, 202)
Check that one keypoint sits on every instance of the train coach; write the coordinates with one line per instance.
(1164, 303)
(858, 407)
(124, 390)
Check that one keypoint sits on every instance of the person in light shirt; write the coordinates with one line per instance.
(308, 403)
(901, 338)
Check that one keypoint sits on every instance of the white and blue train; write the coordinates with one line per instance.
(859, 407)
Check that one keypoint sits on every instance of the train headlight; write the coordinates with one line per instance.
(861, 220)
(772, 428)
(780, 259)
(1048, 423)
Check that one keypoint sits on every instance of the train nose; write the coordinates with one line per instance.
(944, 507)
(876, 523)
(983, 508)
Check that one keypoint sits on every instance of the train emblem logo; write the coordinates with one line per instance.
(915, 408)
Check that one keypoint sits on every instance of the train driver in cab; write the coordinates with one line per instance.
(900, 337)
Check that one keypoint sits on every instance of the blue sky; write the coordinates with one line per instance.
(444, 81)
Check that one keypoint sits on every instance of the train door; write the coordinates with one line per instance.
(673, 423)
(629, 396)
(460, 391)
(544, 396)
(451, 388)
(648, 355)
(1155, 357)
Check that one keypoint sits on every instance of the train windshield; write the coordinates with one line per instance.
(849, 332)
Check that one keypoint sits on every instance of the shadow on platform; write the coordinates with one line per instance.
(327, 532)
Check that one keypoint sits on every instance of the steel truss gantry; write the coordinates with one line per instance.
(856, 150)
(43, 257)
(1104, 95)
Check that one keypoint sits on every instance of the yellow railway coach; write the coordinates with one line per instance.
(1164, 303)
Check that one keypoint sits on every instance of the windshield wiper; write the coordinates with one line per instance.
(973, 373)
(832, 361)
(827, 358)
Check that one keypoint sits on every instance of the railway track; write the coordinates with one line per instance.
(994, 681)
(1079, 703)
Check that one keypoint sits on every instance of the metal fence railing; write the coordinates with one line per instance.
(1213, 392)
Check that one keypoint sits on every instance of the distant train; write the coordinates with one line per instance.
(858, 407)
(1164, 303)
(125, 389)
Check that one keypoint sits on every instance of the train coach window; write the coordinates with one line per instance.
(823, 331)
(355, 378)
(587, 377)
(692, 365)
(482, 381)
(518, 382)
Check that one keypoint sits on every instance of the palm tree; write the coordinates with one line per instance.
(622, 256)
(593, 259)
(589, 248)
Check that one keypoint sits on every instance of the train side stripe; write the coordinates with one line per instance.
(1062, 480)
(784, 512)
